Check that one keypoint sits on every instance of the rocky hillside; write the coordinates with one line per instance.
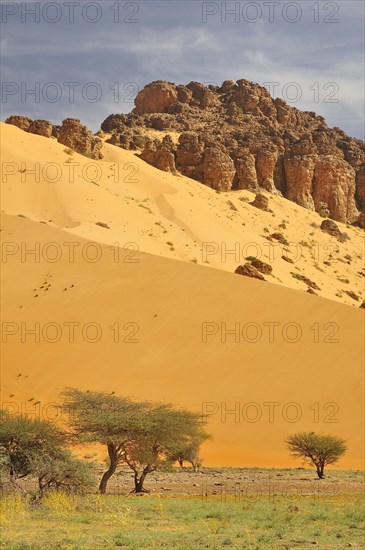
(238, 137)
(232, 137)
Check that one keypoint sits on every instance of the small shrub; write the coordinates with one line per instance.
(344, 237)
(59, 502)
(13, 507)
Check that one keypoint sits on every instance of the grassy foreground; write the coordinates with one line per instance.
(94, 521)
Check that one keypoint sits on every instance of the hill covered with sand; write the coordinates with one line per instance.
(118, 276)
(123, 201)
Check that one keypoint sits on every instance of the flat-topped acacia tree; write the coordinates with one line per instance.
(318, 449)
(142, 435)
(98, 417)
(165, 428)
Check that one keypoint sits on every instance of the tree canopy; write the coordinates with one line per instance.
(317, 449)
(140, 434)
(37, 448)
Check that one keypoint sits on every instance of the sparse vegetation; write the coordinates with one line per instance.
(237, 521)
(144, 437)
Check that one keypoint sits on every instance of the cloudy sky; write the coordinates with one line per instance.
(88, 59)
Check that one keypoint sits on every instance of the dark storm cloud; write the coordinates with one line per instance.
(316, 61)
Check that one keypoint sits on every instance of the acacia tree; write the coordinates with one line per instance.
(111, 420)
(319, 450)
(36, 448)
(142, 435)
(25, 440)
(64, 472)
(189, 452)
(154, 447)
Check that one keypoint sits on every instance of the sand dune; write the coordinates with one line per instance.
(172, 216)
(313, 383)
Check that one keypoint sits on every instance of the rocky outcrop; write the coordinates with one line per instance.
(360, 187)
(299, 163)
(329, 226)
(160, 154)
(245, 177)
(217, 168)
(249, 270)
(352, 295)
(266, 161)
(189, 155)
(156, 97)
(71, 133)
(334, 185)
(233, 137)
(311, 284)
(41, 127)
(74, 135)
(273, 146)
(127, 140)
(22, 122)
(263, 267)
(261, 202)
(361, 220)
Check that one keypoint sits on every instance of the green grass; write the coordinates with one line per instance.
(181, 523)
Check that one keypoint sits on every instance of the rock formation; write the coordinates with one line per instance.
(328, 226)
(41, 127)
(236, 136)
(22, 122)
(249, 270)
(159, 154)
(261, 202)
(72, 134)
(231, 137)
(76, 136)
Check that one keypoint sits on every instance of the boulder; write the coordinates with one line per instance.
(155, 97)
(261, 202)
(74, 135)
(22, 122)
(330, 227)
(263, 267)
(218, 168)
(249, 270)
(41, 127)
(160, 154)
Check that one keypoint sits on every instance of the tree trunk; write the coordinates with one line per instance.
(181, 462)
(320, 471)
(110, 471)
(138, 482)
